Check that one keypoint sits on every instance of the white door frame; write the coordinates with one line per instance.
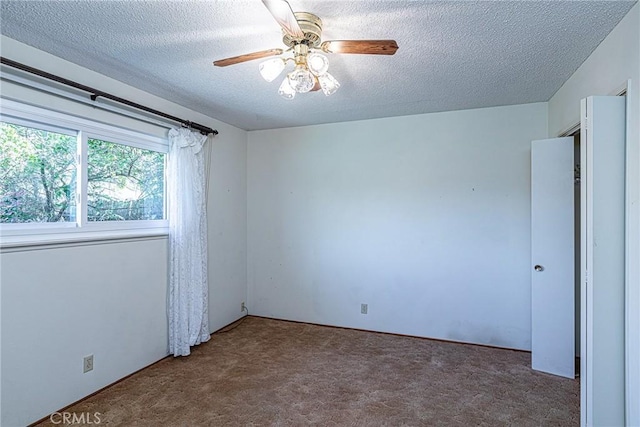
(632, 261)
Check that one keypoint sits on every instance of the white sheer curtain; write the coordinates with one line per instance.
(188, 288)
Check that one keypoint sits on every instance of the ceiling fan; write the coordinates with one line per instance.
(302, 32)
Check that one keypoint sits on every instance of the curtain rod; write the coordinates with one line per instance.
(95, 93)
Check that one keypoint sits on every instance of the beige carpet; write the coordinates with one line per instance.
(275, 373)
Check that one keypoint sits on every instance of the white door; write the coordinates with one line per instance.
(552, 257)
(602, 370)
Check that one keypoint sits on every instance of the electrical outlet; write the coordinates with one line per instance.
(87, 363)
(364, 308)
(243, 307)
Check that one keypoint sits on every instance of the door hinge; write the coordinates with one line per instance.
(586, 277)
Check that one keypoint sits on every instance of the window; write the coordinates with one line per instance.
(64, 174)
(37, 175)
(124, 182)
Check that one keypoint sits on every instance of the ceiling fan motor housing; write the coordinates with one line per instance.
(311, 26)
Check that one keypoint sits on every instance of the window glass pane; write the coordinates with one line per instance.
(37, 175)
(124, 183)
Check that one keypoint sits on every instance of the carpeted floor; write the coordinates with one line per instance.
(275, 373)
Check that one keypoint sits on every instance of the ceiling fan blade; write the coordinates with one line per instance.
(247, 57)
(316, 86)
(368, 47)
(282, 13)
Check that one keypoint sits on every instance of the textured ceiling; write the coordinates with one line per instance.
(453, 54)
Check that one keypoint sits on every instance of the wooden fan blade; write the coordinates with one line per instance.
(316, 87)
(367, 47)
(247, 57)
(283, 14)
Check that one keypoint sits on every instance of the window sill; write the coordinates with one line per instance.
(19, 243)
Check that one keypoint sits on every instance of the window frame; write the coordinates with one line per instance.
(84, 129)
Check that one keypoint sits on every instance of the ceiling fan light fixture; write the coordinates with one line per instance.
(301, 80)
(285, 90)
(318, 63)
(302, 33)
(271, 68)
(328, 83)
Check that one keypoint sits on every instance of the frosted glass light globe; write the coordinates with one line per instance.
(318, 64)
(285, 90)
(301, 80)
(328, 83)
(271, 69)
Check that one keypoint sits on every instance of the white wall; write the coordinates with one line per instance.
(425, 218)
(62, 304)
(227, 229)
(605, 72)
(108, 299)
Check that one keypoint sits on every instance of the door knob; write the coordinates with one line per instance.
(538, 268)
